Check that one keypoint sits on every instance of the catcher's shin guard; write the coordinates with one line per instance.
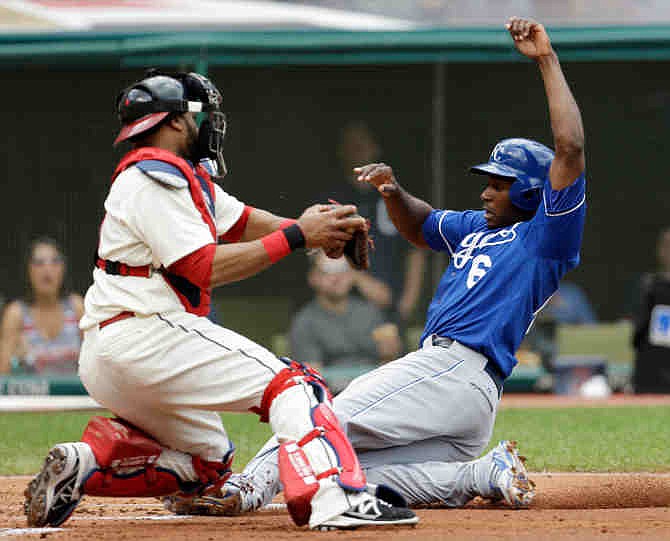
(300, 481)
(316, 461)
(131, 463)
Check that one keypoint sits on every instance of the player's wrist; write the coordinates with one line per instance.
(287, 222)
(546, 60)
(282, 242)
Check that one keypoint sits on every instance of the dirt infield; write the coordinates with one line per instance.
(568, 507)
(575, 507)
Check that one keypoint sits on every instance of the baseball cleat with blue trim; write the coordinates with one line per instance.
(509, 478)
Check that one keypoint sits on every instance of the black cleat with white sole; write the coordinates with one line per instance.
(370, 511)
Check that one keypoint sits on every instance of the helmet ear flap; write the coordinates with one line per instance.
(200, 88)
(525, 193)
(524, 160)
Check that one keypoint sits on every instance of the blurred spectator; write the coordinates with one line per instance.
(651, 319)
(40, 333)
(394, 262)
(337, 329)
(568, 305)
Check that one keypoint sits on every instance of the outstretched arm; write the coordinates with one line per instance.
(321, 226)
(531, 40)
(406, 211)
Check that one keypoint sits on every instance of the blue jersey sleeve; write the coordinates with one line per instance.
(558, 224)
(443, 230)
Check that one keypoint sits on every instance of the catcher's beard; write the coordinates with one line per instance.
(191, 150)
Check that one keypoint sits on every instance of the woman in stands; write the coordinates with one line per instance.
(40, 333)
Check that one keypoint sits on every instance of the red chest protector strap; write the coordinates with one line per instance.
(196, 186)
(196, 300)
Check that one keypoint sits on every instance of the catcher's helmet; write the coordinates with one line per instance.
(146, 103)
(525, 161)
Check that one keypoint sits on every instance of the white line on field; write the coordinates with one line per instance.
(6, 532)
(151, 505)
(268, 507)
(144, 517)
(273, 507)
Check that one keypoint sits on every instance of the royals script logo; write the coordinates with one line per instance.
(481, 263)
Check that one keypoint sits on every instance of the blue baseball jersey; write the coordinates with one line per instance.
(499, 279)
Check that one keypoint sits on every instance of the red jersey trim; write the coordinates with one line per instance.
(234, 234)
(196, 266)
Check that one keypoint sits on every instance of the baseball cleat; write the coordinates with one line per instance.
(370, 511)
(509, 478)
(238, 495)
(53, 494)
(223, 502)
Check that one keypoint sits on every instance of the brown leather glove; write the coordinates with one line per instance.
(357, 249)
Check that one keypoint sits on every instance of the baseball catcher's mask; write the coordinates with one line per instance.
(526, 163)
(145, 104)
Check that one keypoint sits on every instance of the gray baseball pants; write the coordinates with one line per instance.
(418, 422)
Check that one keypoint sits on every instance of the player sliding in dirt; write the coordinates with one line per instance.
(151, 356)
(419, 422)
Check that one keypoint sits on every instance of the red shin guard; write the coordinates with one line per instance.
(127, 460)
(293, 374)
(300, 481)
(351, 475)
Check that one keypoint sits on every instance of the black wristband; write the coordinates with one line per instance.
(294, 236)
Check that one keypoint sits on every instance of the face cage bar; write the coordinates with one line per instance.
(217, 133)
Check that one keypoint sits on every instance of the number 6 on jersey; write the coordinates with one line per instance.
(480, 265)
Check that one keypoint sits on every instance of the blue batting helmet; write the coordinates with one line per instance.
(526, 162)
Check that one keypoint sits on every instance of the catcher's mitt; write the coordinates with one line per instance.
(357, 249)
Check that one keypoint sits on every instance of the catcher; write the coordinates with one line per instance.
(151, 356)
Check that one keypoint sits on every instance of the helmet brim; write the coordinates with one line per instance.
(495, 169)
(139, 126)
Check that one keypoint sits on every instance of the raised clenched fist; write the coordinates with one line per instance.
(530, 37)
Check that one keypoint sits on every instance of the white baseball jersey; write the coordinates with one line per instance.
(167, 370)
(149, 221)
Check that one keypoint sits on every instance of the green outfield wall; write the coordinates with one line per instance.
(287, 95)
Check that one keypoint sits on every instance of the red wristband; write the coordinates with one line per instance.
(276, 245)
(288, 222)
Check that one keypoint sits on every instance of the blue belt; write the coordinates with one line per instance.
(490, 368)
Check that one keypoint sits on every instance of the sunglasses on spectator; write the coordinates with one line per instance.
(41, 261)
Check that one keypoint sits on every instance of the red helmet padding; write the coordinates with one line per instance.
(139, 126)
